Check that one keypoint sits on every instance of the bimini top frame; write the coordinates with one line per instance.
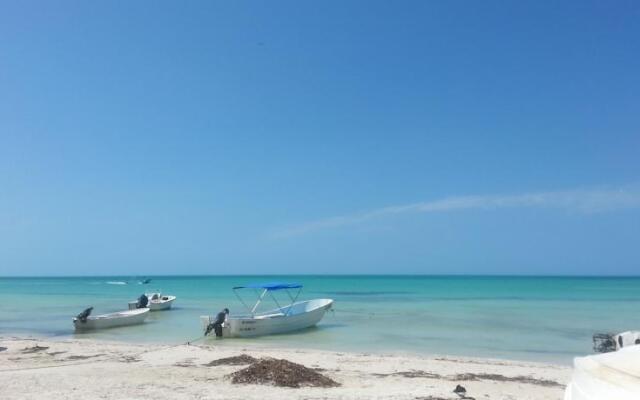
(269, 288)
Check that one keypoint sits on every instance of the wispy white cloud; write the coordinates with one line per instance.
(583, 200)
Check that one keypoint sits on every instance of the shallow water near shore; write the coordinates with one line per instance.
(529, 318)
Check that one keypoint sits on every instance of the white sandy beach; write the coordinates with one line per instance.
(87, 369)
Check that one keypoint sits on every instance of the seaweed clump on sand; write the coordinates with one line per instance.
(502, 378)
(82, 357)
(282, 373)
(242, 359)
(34, 349)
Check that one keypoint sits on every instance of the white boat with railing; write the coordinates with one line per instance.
(84, 321)
(295, 316)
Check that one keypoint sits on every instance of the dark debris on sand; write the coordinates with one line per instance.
(184, 364)
(242, 359)
(474, 377)
(432, 398)
(34, 349)
(502, 378)
(412, 374)
(282, 373)
(2, 349)
(82, 357)
(129, 359)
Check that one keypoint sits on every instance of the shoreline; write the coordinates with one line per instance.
(92, 369)
(234, 343)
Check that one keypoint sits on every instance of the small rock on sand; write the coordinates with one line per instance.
(460, 389)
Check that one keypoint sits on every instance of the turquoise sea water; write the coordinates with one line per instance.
(528, 318)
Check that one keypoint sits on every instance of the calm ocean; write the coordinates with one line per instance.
(528, 318)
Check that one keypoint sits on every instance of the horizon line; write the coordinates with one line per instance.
(336, 275)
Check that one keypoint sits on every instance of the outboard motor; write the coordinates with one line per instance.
(604, 342)
(82, 317)
(216, 326)
(143, 301)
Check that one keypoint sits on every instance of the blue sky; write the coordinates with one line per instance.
(319, 137)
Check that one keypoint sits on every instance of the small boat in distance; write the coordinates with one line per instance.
(158, 301)
(84, 320)
(153, 301)
(292, 317)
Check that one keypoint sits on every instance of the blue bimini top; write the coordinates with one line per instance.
(270, 286)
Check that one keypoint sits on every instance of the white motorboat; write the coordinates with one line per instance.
(158, 301)
(295, 316)
(121, 318)
(154, 301)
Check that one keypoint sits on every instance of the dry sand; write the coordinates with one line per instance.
(87, 369)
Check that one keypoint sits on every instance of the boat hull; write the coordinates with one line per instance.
(299, 316)
(113, 320)
(614, 375)
(161, 304)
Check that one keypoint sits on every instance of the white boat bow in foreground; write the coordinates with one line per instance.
(609, 376)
